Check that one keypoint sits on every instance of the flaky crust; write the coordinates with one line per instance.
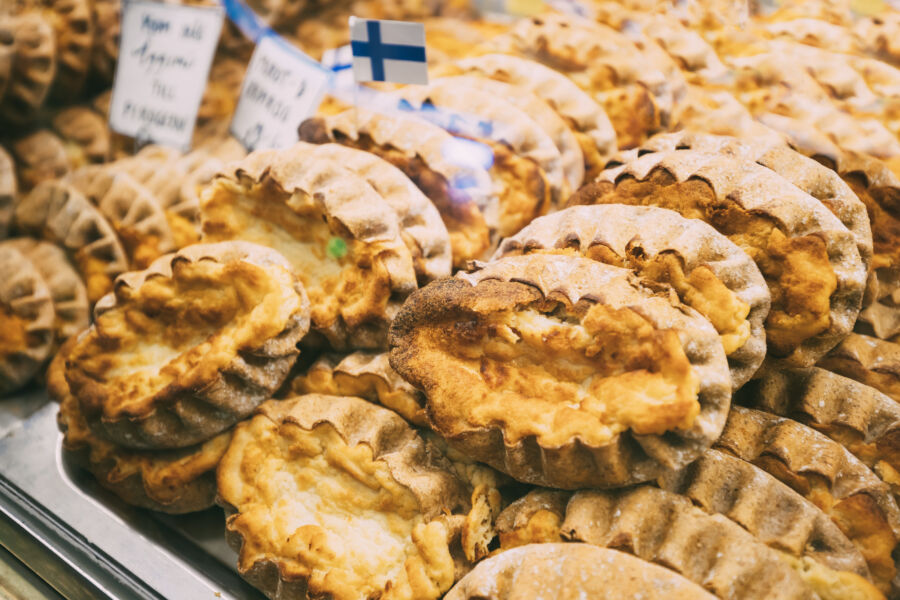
(69, 295)
(420, 222)
(665, 528)
(571, 571)
(350, 207)
(868, 360)
(632, 232)
(203, 398)
(133, 212)
(58, 213)
(463, 195)
(859, 417)
(412, 463)
(516, 281)
(367, 375)
(561, 93)
(720, 483)
(33, 68)
(8, 191)
(27, 310)
(812, 177)
(170, 481)
(824, 472)
(755, 190)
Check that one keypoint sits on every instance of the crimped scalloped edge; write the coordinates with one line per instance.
(238, 388)
(87, 129)
(24, 292)
(413, 463)
(621, 227)
(75, 40)
(627, 459)
(730, 177)
(720, 483)
(29, 85)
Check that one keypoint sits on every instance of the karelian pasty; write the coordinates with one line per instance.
(185, 349)
(8, 191)
(562, 371)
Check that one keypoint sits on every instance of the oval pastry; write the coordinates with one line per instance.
(707, 271)
(26, 320)
(331, 496)
(40, 156)
(659, 527)
(57, 212)
(170, 481)
(563, 371)
(185, 349)
(33, 67)
(430, 157)
(85, 130)
(867, 360)
(342, 239)
(808, 258)
(8, 191)
(571, 571)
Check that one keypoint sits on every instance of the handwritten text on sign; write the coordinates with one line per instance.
(164, 57)
(282, 87)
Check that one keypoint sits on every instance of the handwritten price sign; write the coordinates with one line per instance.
(164, 57)
(282, 87)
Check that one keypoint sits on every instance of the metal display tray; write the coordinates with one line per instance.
(84, 541)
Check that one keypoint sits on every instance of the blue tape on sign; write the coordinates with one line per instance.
(246, 20)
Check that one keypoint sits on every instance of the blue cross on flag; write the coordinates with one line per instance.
(388, 51)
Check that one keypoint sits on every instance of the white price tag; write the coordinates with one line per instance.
(282, 87)
(164, 57)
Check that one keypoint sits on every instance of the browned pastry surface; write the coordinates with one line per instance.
(73, 24)
(868, 360)
(33, 67)
(707, 271)
(334, 496)
(8, 190)
(809, 259)
(571, 571)
(563, 371)
(825, 473)
(86, 132)
(340, 236)
(40, 156)
(26, 320)
(183, 350)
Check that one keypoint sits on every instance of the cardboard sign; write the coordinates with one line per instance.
(282, 87)
(164, 57)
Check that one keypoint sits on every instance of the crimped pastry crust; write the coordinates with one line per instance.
(69, 295)
(420, 222)
(370, 503)
(170, 481)
(185, 349)
(644, 238)
(40, 156)
(85, 129)
(33, 67)
(664, 528)
(342, 239)
(812, 177)
(463, 195)
(365, 375)
(439, 332)
(26, 320)
(571, 571)
(867, 360)
(58, 213)
(720, 483)
(825, 473)
(107, 24)
(7, 53)
(862, 419)
(73, 25)
(8, 192)
(809, 259)
(137, 218)
(592, 126)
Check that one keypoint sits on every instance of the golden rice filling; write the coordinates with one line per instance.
(798, 271)
(343, 277)
(94, 271)
(329, 512)
(179, 330)
(524, 195)
(546, 373)
(15, 333)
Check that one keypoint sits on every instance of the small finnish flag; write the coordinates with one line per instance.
(340, 62)
(388, 51)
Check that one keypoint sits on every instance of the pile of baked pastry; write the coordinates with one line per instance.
(661, 318)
